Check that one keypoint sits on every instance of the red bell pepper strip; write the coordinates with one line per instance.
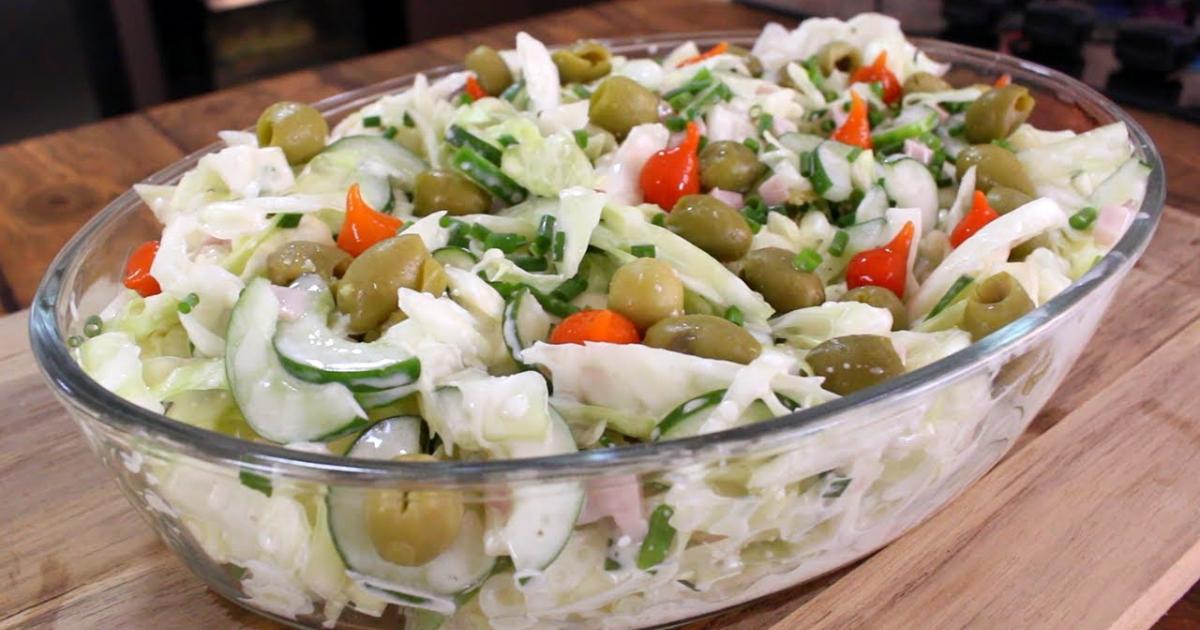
(672, 173)
(878, 72)
(885, 266)
(363, 226)
(856, 129)
(475, 90)
(137, 270)
(595, 325)
(981, 214)
(719, 49)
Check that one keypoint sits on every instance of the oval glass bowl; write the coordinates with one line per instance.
(759, 508)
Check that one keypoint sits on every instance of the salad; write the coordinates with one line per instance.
(555, 251)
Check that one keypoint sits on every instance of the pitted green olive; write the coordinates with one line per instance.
(705, 336)
(881, 298)
(368, 291)
(729, 165)
(297, 258)
(925, 82)
(854, 362)
(410, 528)
(772, 272)
(620, 104)
(646, 290)
(709, 224)
(296, 128)
(490, 70)
(993, 304)
(839, 55)
(437, 190)
(998, 113)
(753, 63)
(994, 166)
(582, 63)
(1003, 199)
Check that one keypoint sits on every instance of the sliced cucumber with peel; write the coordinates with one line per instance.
(687, 419)
(911, 185)
(373, 162)
(456, 257)
(309, 350)
(389, 438)
(279, 406)
(831, 173)
(525, 323)
(910, 123)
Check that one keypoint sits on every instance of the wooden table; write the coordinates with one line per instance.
(1091, 523)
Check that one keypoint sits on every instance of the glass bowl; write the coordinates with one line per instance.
(759, 508)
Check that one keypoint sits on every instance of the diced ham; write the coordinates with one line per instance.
(292, 302)
(1111, 224)
(776, 188)
(918, 151)
(728, 123)
(728, 197)
(618, 497)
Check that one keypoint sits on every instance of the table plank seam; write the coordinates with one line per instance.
(166, 134)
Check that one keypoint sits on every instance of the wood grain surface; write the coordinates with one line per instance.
(1090, 524)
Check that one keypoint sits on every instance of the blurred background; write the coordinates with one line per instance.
(69, 62)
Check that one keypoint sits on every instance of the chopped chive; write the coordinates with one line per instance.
(545, 236)
(448, 221)
(188, 303)
(698, 82)
(372, 121)
(1083, 219)
(658, 539)
(560, 245)
(390, 132)
(734, 314)
(642, 251)
(581, 138)
(951, 293)
(459, 235)
(288, 220)
(1002, 143)
(703, 143)
(766, 122)
(531, 263)
(553, 305)
(807, 260)
(460, 137)
(659, 219)
(853, 154)
(838, 246)
(507, 140)
(408, 120)
(570, 289)
(751, 143)
(478, 232)
(677, 123)
(93, 326)
(581, 91)
(74, 341)
(510, 93)
(755, 226)
(611, 565)
(957, 130)
(507, 243)
(679, 101)
(255, 482)
(464, 99)
(505, 289)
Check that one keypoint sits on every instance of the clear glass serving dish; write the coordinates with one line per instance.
(773, 504)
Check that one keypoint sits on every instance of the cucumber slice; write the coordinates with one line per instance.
(912, 122)
(488, 176)
(686, 419)
(800, 142)
(831, 173)
(373, 162)
(1127, 184)
(460, 137)
(389, 438)
(873, 206)
(911, 185)
(866, 235)
(525, 323)
(456, 257)
(311, 351)
(279, 406)
(371, 400)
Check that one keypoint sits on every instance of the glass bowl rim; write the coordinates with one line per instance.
(76, 389)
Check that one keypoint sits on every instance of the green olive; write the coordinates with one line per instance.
(994, 166)
(582, 63)
(709, 224)
(997, 113)
(753, 63)
(993, 304)
(1024, 249)
(705, 336)
(1003, 199)
(296, 128)
(854, 362)
(729, 165)
(367, 293)
(839, 55)
(772, 272)
(646, 290)
(410, 528)
(925, 82)
(881, 298)
(297, 258)
(446, 190)
(490, 70)
(620, 104)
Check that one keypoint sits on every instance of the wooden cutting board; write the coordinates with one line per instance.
(1091, 523)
